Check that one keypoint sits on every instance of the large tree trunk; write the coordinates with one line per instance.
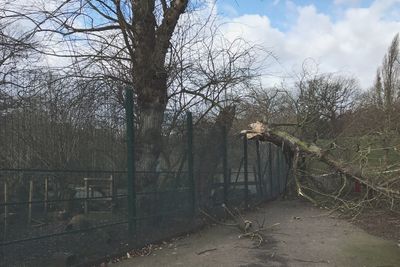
(149, 143)
(150, 46)
(152, 102)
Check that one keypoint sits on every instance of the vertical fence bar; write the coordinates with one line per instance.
(256, 181)
(246, 173)
(278, 169)
(225, 162)
(30, 201)
(112, 190)
(5, 208)
(130, 161)
(86, 195)
(189, 125)
(46, 194)
(273, 171)
(270, 184)
(259, 168)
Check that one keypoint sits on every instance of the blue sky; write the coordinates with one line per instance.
(279, 11)
(341, 36)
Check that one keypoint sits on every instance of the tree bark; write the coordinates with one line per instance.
(149, 145)
(150, 45)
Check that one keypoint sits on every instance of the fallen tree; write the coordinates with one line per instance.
(293, 148)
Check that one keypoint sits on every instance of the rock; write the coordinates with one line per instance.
(78, 222)
(61, 259)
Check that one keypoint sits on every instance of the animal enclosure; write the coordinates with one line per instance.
(74, 186)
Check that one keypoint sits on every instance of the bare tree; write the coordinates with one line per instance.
(390, 74)
(322, 101)
(378, 89)
(142, 28)
(387, 82)
(180, 66)
(17, 53)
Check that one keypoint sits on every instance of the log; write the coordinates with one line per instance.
(292, 146)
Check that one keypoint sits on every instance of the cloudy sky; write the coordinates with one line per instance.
(345, 36)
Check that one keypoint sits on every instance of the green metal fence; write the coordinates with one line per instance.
(69, 186)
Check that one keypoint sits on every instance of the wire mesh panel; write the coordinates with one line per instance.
(88, 209)
(208, 169)
(87, 181)
(274, 171)
(62, 175)
(164, 205)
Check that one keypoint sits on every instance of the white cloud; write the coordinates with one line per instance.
(346, 2)
(354, 43)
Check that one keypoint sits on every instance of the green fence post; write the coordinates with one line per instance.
(278, 169)
(261, 193)
(225, 162)
(131, 161)
(270, 184)
(246, 173)
(189, 125)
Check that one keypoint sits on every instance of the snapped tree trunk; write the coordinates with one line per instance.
(210, 153)
(292, 146)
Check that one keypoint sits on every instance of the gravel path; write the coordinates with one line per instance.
(305, 236)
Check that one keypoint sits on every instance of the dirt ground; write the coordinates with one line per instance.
(304, 236)
(381, 223)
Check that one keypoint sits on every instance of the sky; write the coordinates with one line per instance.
(349, 37)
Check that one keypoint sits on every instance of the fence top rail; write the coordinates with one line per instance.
(28, 170)
(98, 179)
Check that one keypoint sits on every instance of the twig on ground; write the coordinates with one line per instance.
(310, 261)
(205, 251)
(217, 221)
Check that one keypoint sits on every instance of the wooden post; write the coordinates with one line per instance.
(30, 201)
(5, 208)
(86, 195)
(112, 190)
(46, 194)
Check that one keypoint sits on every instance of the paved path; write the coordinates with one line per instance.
(305, 236)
